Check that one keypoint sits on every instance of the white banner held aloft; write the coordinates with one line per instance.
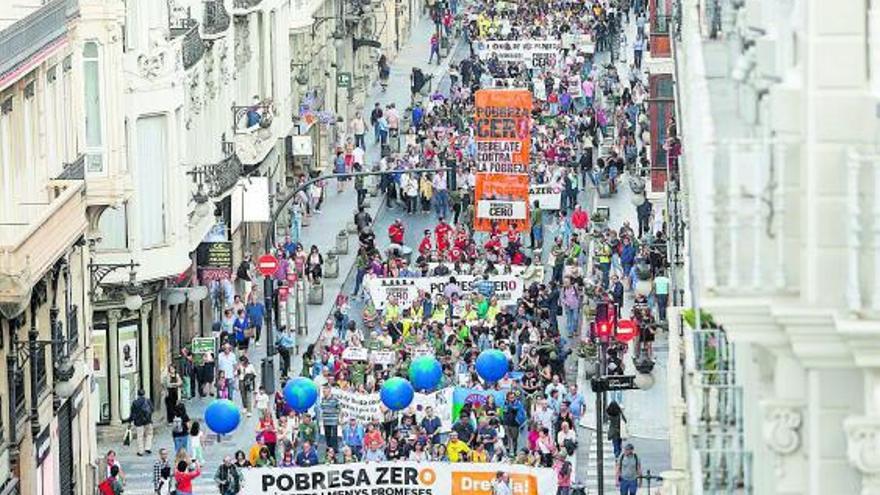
(508, 288)
(366, 407)
(501, 210)
(355, 354)
(548, 196)
(397, 478)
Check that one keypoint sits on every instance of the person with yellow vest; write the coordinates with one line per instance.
(603, 258)
(456, 449)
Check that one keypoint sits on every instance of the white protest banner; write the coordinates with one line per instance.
(574, 87)
(404, 290)
(548, 196)
(501, 210)
(581, 42)
(535, 53)
(397, 478)
(382, 357)
(365, 407)
(508, 288)
(355, 354)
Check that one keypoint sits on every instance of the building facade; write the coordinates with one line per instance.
(781, 178)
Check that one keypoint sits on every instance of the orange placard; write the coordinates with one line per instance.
(477, 483)
(502, 121)
(502, 198)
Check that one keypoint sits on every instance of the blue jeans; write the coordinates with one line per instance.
(571, 320)
(358, 280)
(629, 487)
(441, 202)
(181, 443)
(616, 444)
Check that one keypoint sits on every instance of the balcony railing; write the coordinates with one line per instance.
(182, 26)
(216, 178)
(216, 19)
(193, 47)
(251, 117)
(245, 4)
(660, 24)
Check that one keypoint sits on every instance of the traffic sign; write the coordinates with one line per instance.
(267, 264)
(613, 382)
(626, 330)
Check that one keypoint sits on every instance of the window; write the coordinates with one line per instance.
(113, 226)
(6, 160)
(92, 83)
(151, 162)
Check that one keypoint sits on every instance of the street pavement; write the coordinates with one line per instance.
(337, 211)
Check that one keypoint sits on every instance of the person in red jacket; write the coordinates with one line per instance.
(493, 247)
(442, 233)
(461, 239)
(580, 219)
(425, 246)
(395, 232)
(184, 477)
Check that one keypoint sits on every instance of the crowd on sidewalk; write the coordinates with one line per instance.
(587, 130)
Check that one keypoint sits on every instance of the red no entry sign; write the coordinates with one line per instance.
(626, 330)
(267, 264)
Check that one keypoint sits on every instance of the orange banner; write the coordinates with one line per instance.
(502, 120)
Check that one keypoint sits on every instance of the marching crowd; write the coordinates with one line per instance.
(588, 131)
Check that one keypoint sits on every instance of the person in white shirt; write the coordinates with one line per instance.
(358, 128)
(227, 361)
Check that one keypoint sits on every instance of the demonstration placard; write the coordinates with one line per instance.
(534, 53)
(398, 478)
(366, 407)
(508, 288)
(548, 196)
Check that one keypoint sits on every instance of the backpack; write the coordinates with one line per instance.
(177, 425)
(106, 487)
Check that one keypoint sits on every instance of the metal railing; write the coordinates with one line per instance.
(247, 116)
(193, 47)
(660, 24)
(216, 178)
(718, 437)
(216, 20)
(31, 34)
(245, 4)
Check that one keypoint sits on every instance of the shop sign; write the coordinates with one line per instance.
(343, 80)
(201, 345)
(214, 255)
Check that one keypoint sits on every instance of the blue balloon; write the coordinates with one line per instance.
(425, 373)
(492, 365)
(301, 394)
(222, 416)
(396, 393)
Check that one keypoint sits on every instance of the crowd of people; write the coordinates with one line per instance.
(589, 128)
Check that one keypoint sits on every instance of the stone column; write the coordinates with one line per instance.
(145, 358)
(862, 446)
(113, 316)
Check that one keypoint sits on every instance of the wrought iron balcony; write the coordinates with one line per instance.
(216, 19)
(182, 26)
(216, 178)
(193, 47)
(660, 24)
(251, 117)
